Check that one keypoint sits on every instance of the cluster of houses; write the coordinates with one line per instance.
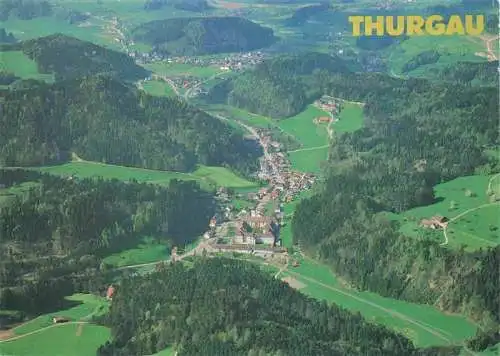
(235, 62)
(329, 105)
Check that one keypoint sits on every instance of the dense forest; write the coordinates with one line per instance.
(470, 73)
(52, 230)
(417, 134)
(24, 9)
(68, 57)
(190, 36)
(278, 87)
(102, 119)
(302, 14)
(224, 307)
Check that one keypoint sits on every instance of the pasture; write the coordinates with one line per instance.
(158, 88)
(309, 160)
(303, 128)
(149, 250)
(180, 69)
(22, 66)
(469, 204)
(424, 325)
(59, 340)
(80, 307)
(208, 177)
(350, 118)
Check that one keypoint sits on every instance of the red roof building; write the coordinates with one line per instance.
(110, 292)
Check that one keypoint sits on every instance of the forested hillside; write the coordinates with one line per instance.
(54, 235)
(102, 119)
(417, 134)
(68, 57)
(227, 307)
(203, 35)
(279, 87)
(24, 9)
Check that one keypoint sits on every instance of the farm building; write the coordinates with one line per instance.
(60, 319)
(110, 292)
(265, 239)
(324, 119)
(435, 222)
(259, 224)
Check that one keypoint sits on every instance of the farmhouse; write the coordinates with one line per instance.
(259, 223)
(110, 292)
(324, 119)
(435, 222)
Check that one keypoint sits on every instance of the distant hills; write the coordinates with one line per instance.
(102, 119)
(68, 58)
(203, 35)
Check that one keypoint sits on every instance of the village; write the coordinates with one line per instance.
(234, 61)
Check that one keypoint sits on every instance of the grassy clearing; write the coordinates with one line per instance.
(60, 340)
(350, 118)
(150, 250)
(87, 169)
(180, 69)
(304, 129)
(424, 325)
(222, 177)
(309, 160)
(243, 115)
(22, 66)
(158, 88)
(89, 305)
(473, 228)
(208, 177)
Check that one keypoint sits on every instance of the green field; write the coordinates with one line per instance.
(179, 69)
(18, 63)
(350, 118)
(59, 340)
(424, 325)
(148, 251)
(206, 176)
(309, 160)
(86, 306)
(41, 337)
(304, 129)
(466, 200)
(8, 193)
(158, 88)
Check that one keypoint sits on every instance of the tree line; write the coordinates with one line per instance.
(228, 307)
(103, 119)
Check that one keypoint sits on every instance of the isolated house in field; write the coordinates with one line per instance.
(60, 319)
(435, 222)
(324, 119)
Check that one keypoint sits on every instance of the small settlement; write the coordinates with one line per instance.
(256, 228)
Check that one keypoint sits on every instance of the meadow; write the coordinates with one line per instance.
(350, 118)
(208, 177)
(472, 212)
(424, 325)
(22, 66)
(180, 69)
(59, 340)
(158, 88)
(303, 128)
(78, 337)
(149, 250)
